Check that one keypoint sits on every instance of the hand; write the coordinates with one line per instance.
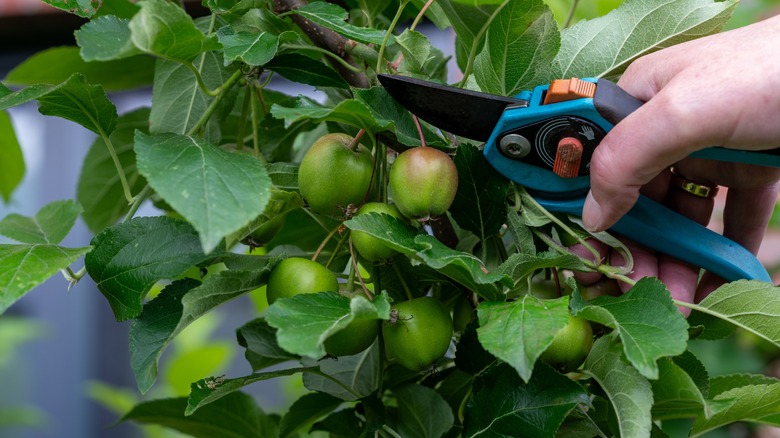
(719, 90)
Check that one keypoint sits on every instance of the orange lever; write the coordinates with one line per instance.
(568, 157)
(561, 90)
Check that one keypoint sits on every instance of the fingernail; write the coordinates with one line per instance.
(591, 214)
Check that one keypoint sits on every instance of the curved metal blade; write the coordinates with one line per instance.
(467, 113)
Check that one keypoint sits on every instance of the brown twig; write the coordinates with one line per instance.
(326, 39)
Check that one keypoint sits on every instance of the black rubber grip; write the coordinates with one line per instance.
(614, 103)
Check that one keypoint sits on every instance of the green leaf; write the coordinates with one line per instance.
(630, 394)
(521, 233)
(468, 22)
(460, 266)
(99, 188)
(123, 74)
(334, 18)
(605, 46)
(343, 423)
(305, 321)
(480, 203)
(300, 68)
(236, 416)
(676, 394)
(470, 354)
(178, 102)
(518, 332)
(105, 38)
(520, 266)
(421, 58)
(23, 267)
(505, 405)
(305, 410)
(49, 226)
(349, 111)
(80, 102)
(422, 412)
(758, 403)
(217, 191)
(211, 389)
(386, 110)
(177, 307)
(645, 318)
(12, 165)
(520, 44)
(372, 8)
(82, 8)
(249, 47)
(129, 258)
(262, 349)
(349, 378)
(164, 29)
(752, 305)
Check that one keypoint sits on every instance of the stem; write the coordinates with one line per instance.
(339, 245)
(137, 201)
(356, 270)
(118, 165)
(256, 133)
(570, 17)
(353, 145)
(324, 242)
(390, 29)
(202, 85)
(403, 282)
(475, 44)
(419, 130)
(420, 15)
(244, 111)
(392, 433)
(328, 53)
(215, 103)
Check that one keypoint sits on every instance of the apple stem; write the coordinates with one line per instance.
(356, 270)
(322, 245)
(356, 141)
(419, 131)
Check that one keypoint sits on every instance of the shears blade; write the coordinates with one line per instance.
(466, 113)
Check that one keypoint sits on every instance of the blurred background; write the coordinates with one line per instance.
(64, 361)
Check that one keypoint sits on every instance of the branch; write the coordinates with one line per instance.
(325, 38)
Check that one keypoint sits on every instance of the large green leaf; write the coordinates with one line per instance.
(23, 267)
(249, 47)
(603, 47)
(518, 332)
(122, 74)
(460, 266)
(348, 377)
(645, 318)
(305, 321)
(217, 191)
(520, 266)
(164, 29)
(234, 416)
(177, 307)
(349, 111)
(305, 410)
(130, 257)
(106, 38)
(752, 305)
(177, 100)
(469, 21)
(305, 70)
(262, 349)
(503, 405)
(420, 57)
(675, 393)
(49, 226)
(757, 399)
(520, 44)
(334, 18)
(630, 394)
(480, 203)
(422, 412)
(12, 164)
(99, 188)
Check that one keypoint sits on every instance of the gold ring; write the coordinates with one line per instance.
(694, 188)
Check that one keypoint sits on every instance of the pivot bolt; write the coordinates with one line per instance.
(515, 145)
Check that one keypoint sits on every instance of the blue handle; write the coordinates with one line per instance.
(654, 226)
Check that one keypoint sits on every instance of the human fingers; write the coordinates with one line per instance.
(745, 219)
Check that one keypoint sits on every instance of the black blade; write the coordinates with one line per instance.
(462, 112)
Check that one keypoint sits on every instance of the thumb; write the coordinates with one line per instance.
(637, 149)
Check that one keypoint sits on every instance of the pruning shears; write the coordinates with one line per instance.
(543, 139)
